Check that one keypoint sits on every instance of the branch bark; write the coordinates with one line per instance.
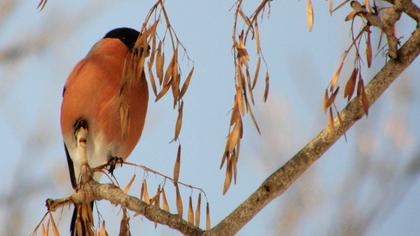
(116, 196)
(408, 7)
(281, 179)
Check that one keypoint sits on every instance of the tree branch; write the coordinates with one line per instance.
(407, 6)
(281, 179)
(116, 196)
(386, 23)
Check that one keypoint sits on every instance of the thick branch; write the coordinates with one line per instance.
(281, 180)
(116, 196)
(408, 7)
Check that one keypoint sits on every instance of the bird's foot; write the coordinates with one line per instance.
(112, 163)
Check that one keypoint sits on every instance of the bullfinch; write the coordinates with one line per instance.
(91, 114)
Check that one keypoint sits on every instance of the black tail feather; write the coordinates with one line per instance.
(71, 168)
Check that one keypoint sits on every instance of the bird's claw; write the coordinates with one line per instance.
(112, 163)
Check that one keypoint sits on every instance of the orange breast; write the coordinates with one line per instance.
(92, 93)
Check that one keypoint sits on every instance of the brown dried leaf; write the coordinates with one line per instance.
(234, 164)
(363, 97)
(237, 150)
(254, 121)
(165, 205)
(186, 83)
(208, 223)
(125, 224)
(54, 226)
(177, 166)
(141, 43)
(367, 6)
(152, 81)
(359, 86)
(257, 71)
(240, 100)
(198, 212)
(160, 61)
(336, 75)
(44, 230)
(242, 54)
(48, 225)
(331, 120)
(179, 206)
(368, 49)
(228, 177)
(236, 116)
(178, 125)
(175, 85)
(156, 198)
(139, 66)
(351, 84)
(153, 49)
(190, 216)
(267, 86)
(240, 77)
(331, 99)
(257, 37)
(171, 67)
(142, 190)
(248, 78)
(325, 101)
(225, 155)
(130, 183)
(309, 15)
(102, 230)
(168, 75)
(145, 193)
(79, 230)
(234, 137)
(162, 92)
(330, 6)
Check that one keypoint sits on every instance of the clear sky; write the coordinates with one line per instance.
(300, 64)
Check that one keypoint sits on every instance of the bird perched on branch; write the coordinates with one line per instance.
(103, 112)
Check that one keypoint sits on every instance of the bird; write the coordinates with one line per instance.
(91, 113)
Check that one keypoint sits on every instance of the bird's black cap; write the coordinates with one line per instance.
(126, 35)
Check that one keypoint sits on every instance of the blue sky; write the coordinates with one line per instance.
(300, 65)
